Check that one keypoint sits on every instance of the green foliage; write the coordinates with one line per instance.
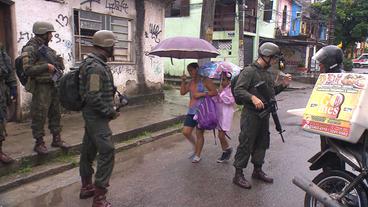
(25, 166)
(351, 23)
(348, 64)
(66, 158)
(167, 87)
(144, 134)
(25, 169)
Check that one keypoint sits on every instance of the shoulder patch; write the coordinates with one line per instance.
(28, 48)
(94, 82)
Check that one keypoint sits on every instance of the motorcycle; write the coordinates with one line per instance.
(337, 186)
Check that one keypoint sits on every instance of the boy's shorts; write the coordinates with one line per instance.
(189, 121)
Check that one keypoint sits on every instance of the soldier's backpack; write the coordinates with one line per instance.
(68, 87)
(23, 78)
(19, 70)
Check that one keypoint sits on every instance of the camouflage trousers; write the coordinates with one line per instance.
(254, 139)
(45, 104)
(97, 139)
(3, 111)
(2, 131)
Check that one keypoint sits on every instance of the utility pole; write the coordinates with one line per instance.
(207, 19)
(241, 32)
(331, 28)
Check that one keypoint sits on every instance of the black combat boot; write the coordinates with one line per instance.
(100, 198)
(4, 158)
(240, 180)
(57, 142)
(88, 189)
(40, 147)
(260, 175)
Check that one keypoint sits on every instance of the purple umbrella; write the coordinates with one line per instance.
(185, 48)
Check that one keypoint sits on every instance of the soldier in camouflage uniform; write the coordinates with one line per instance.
(97, 89)
(45, 100)
(8, 93)
(254, 138)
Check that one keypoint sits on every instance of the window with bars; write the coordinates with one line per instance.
(178, 8)
(86, 23)
(268, 10)
(284, 18)
(222, 44)
(224, 16)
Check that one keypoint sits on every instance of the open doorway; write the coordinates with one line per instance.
(6, 37)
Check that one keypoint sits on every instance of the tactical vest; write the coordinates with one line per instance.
(108, 88)
(43, 77)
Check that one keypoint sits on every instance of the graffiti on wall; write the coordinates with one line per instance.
(90, 2)
(156, 66)
(62, 20)
(154, 32)
(152, 36)
(117, 5)
(112, 5)
(123, 69)
(24, 36)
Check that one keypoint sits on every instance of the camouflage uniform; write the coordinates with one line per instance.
(254, 138)
(8, 89)
(97, 89)
(7, 82)
(45, 100)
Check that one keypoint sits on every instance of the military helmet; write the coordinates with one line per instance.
(104, 38)
(269, 49)
(330, 56)
(40, 28)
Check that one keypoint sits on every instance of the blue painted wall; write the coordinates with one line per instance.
(295, 22)
(322, 32)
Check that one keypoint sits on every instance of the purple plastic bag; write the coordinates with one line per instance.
(206, 114)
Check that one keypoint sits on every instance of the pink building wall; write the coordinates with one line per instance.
(280, 13)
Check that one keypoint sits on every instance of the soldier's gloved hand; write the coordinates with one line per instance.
(13, 93)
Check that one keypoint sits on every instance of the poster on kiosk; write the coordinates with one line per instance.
(338, 106)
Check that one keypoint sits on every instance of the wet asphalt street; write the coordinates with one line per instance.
(160, 173)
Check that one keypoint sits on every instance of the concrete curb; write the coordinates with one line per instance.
(35, 176)
(35, 160)
(67, 166)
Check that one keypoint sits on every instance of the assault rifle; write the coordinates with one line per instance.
(123, 100)
(56, 61)
(271, 107)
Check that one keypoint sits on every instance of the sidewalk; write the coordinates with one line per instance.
(133, 121)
